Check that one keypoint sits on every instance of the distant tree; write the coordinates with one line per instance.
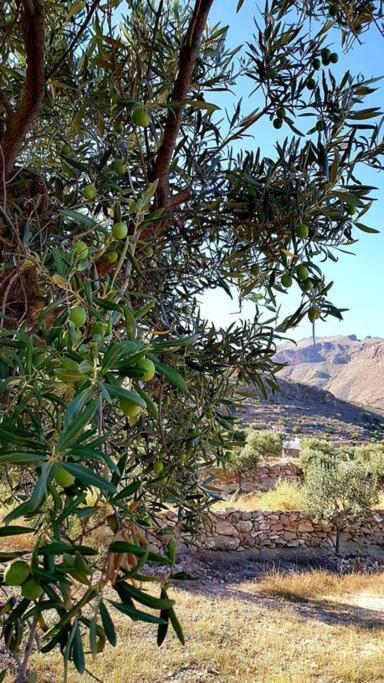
(244, 460)
(264, 443)
(259, 445)
(341, 494)
(314, 451)
(370, 456)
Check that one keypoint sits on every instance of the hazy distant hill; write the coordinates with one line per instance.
(351, 369)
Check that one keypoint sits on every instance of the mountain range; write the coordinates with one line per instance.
(351, 369)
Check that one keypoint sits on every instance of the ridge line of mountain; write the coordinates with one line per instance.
(351, 369)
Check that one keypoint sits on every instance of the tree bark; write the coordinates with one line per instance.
(32, 21)
(22, 673)
(187, 60)
(337, 541)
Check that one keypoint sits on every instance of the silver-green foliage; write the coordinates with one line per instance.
(259, 445)
(342, 493)
(315, 451)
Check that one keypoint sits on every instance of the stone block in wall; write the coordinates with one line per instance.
(284, 519)
(305, 525)
(234, 516)
(225, 528)
(378, 517)
(226, 542)
(244, 526)
(276, 526)
(292, 526)
(289, 535)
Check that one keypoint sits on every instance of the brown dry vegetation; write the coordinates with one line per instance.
(239, 634)
(285, 496)
(321, 585)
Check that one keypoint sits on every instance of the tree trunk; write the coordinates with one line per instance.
(337, 541)
(240, 481)
(19, 122)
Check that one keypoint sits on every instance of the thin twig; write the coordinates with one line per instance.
(78, 35)
(22, 675)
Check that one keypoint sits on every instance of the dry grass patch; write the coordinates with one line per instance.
(232, 638)
(16, 543)
(380, 502)
(317, 584)
(285, 496)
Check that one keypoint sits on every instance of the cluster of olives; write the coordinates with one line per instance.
(326, 58)
(119, 231)
(302, 275)
(306, 284)
(280, 116)
(301, 271)
(18, 573)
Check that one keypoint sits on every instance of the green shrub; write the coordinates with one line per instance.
(239, 436)
(371, 457)
(316, 452)
(266, 444)
(259, 445)
(342, 494)
(246, 459)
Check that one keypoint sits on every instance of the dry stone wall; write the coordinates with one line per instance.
(236, 530)
(262, 478)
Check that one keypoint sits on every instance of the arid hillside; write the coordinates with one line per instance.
(351, 369)
(307, 410)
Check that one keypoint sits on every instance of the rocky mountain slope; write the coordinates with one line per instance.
(304, 410)
(350, 368)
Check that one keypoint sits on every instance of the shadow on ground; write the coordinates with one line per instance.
(219, 580)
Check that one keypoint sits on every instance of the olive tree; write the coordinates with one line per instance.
(341, 494)
(259, 445)
(122, 200)
(370, 456)
(314, 451)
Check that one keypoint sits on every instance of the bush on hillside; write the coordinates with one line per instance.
(316, 452)
(246, 459)
(239, 436)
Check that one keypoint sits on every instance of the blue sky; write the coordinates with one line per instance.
(359, 279)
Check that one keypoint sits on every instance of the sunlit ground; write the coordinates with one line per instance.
(297, 628)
